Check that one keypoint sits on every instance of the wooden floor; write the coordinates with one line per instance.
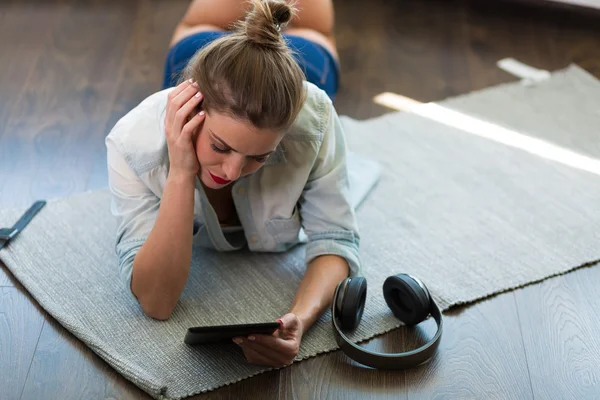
(70, 68)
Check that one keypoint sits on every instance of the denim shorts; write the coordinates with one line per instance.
(317, 63)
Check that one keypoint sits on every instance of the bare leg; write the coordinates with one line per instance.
(314, 20)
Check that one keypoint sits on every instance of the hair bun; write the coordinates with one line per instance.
(264, 22)
(281, 12)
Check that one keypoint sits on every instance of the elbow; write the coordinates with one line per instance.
(157, 310)
(160, 315)
(154, 306)
(156, 300)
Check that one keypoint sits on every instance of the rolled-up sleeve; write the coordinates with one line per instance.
(134, 206)
(327, 214)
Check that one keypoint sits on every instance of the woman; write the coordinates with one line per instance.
(242, 152)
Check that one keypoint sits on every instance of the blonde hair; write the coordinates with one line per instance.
(251, 74)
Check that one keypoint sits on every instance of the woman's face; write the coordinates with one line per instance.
(228, 149)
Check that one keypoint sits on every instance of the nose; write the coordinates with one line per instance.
(233, 167)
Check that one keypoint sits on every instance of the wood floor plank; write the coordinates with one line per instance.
(20, 326)
(18, 59)
(263, 386)
(143, 63)
(332, 376)
(529, 33)
(335, 376)
(49, 134)
(481, 356)
(141, 71)
(64, 368)
(401, 54)
(498, 31)
(5, 279)
(560, 324)
(430, 50)
(19, 56)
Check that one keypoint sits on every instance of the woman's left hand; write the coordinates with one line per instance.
(276, 350)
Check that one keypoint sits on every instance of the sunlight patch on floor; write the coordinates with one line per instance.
(489, 131)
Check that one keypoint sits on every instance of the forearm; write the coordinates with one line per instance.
(315, 293)
(161, 267)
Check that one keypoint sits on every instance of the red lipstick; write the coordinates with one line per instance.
(220, 181)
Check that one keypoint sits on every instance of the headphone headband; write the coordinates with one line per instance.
(388, 361)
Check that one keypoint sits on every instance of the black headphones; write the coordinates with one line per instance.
(409, 300)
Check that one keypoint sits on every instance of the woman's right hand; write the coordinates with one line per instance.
(180, 127)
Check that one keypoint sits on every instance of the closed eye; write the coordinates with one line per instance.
(218, 149)
(225, 151)
(261, 159)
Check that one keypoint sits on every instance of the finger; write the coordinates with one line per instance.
(285, 350)
(192, 126)
(182, 114)
(181, 87)
(257, 357)
(182, 97)
(266, 340)
(277, 331)
(190, 105)
(173, 94)
(288, 320)
(288, 326)
(266, 344)
(177, 101)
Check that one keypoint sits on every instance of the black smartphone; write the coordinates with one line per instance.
(224, 333)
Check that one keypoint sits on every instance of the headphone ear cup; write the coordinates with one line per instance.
(406, 298)
(353, 303)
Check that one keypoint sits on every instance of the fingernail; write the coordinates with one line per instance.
(238, 340)
(201, 113)
(251, 338)
(190, 80)
(198, 94)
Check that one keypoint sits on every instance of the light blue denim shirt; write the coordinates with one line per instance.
(300, 195)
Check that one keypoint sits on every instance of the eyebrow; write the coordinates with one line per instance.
(231, 148)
